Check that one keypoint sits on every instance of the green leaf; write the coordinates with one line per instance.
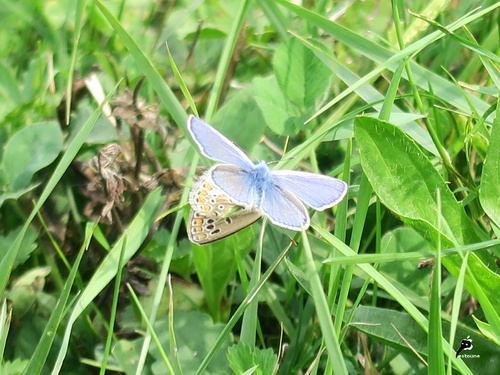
(16, 194)
(404, 240)
(25, 289)
(278, 112)
(240, 119)
(406, 182)
(299, 275)
(400, 331)
(13, 367)
(125, 353)
(486, 330)
(215, 265)
(302, 76)
(242, 358)
(489, 192)
(28, 245)
(29, 150)
(195, 333)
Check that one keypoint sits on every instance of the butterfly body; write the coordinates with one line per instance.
(257, 178)
(279, 195)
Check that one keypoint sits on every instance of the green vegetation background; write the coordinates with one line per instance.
(399, 99)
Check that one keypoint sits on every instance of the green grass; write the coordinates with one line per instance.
(399, 99)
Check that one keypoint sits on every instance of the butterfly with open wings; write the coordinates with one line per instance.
(279, 195)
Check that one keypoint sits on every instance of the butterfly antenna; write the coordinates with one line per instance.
(276, 161)
(275, 148)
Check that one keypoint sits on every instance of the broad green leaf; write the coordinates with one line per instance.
(279, 113)
(25, 289)
(125, 353)
(486, 330)
(405, 240)
(406, 182)
(489, 192)
(16, 194)
(13, 367)
(242, 358)
(215, 265)
(240, 119)
(29, 150)
(399, 330)
(28, 244)
(195, 334)
(302, 76)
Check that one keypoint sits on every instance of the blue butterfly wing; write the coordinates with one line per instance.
(215, 146)
(284, 209)
(236, 183)
(315, 190)
(279, 206)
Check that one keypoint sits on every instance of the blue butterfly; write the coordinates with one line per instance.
(278, 195)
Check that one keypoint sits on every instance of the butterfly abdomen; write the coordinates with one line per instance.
(261, 178)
